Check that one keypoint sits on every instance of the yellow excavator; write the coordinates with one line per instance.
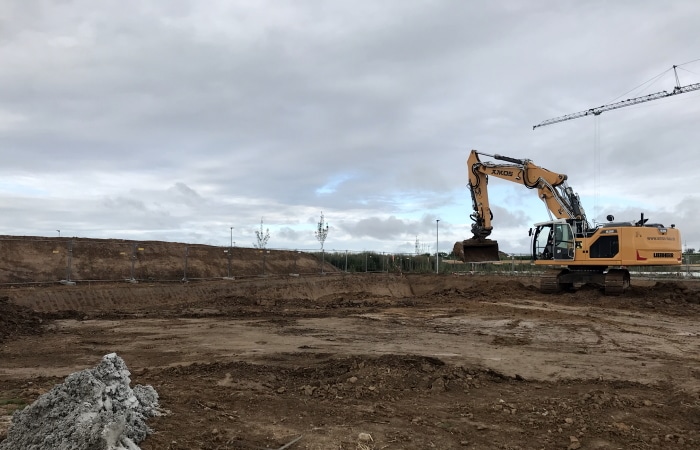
(581, 253)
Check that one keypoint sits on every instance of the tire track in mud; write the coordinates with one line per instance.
(628, 341)
(520, 318)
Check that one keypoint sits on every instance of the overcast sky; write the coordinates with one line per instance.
(178, 119)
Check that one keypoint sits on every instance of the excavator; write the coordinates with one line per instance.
(578, 253)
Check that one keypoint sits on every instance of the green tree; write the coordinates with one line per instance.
(262, 237)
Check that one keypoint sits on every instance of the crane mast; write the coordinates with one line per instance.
(678, 89)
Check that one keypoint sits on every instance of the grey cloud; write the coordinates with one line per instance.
(289, 234)
(387, 228)
(124, 204)
(253, 107)
(507, 218)
(186, 194)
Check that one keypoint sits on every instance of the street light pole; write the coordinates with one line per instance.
(184, 275)
(230, 253)
(437, 245)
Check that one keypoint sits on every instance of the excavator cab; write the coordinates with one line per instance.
(553, 241)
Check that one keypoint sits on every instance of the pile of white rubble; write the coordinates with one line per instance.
(93, 409)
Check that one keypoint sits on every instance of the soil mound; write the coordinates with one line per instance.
(17, 320)
(94, 409)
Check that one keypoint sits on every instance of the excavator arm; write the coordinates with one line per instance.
(551, 187)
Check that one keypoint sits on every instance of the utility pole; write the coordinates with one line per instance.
(70, 260)
(133, 262)
(437, 245)
(68, 281)
(184, 275)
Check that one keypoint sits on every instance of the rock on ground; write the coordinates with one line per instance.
(93, 409)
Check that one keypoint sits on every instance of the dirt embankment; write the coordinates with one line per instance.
(29, 307)
(48, 260)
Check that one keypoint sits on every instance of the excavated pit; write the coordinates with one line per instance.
(371, 361)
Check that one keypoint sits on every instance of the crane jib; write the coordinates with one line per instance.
(621, 104)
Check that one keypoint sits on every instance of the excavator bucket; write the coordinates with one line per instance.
(476, 250)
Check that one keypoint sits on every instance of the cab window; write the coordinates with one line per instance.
(563, 241)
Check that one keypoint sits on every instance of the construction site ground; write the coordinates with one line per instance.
(374, 361)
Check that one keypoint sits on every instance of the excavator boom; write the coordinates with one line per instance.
(561, 201)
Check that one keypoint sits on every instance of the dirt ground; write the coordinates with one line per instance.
(377, 361)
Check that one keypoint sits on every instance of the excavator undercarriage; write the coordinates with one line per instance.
(613, 281)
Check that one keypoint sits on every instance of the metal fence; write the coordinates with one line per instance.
(28, 260)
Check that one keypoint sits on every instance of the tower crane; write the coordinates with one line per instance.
(678, 89)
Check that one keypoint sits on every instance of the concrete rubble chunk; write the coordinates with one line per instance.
(94, 409)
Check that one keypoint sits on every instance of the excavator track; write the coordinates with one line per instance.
(549, 281)
(616, 281)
